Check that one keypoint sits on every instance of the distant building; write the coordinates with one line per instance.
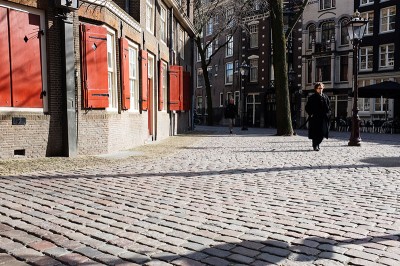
(379, 55)
(254, 94)
(327, 53)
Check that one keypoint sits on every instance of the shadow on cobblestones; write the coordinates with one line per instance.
(311, 250)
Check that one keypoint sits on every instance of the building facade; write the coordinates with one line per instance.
(254, 94)
(327, 53)
(379, 56)
(93, 77)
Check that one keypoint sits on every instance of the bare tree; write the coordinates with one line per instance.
(229, 15)
(225, 17)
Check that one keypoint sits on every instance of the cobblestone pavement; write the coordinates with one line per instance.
(208, 198)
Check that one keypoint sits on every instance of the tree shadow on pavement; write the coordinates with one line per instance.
(312, 250)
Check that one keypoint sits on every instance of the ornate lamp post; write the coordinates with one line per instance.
(356, 29)
(244, 71)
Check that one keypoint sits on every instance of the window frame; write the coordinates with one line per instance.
(253, 29)
(112, 70)
(389, 18)
(322, 4)
(368, 58)
(389, 60)
(164, 66)
(253, 70)
(149, 16)
(369, 30)
(320, 69)
(181, 42)
(163, 24)
(311, 37)
(230, 81)
(134, 76)
(229, 46)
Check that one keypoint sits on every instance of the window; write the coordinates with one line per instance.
(323, 69)
(230, 21)
(163, 24)
(149, 16)
(209, 51)
(311, 35)
(199, 104)
(325, 4)
(181, 43)
(216, 70)
(22, 74)
(164, 85)
(309, 71)
(327, 31)
(344, 36)
(133, 77)
(236, 66)
(388, 18)
(229, 73)
(344, 68)
(370, 27)
(386, 55)
(366, 58)
(221, 99)
(379, 104)
(366, 2)
(209, 27)
(364, 104)
(229, 46)
(210, 73)
(253, 70)
(112, 73)
(199, 78)
(253, 35)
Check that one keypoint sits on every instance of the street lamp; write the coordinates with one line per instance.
(356, 29)
(244, 71)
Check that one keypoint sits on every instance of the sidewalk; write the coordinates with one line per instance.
(208, 198)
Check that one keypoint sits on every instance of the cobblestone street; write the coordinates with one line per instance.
(208, 198)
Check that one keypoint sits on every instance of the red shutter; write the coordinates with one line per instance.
(94, 66)
(126, 94)
(175, 88)
(26, 68)
(5, 80)
(144, 89)
(186, 91)
(160, 86)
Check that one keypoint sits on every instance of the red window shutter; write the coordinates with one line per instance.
(186, 91)
(160, 86)
(26, 67)
(126, 94)
(5, 79)
(175, 88)
(94, 66)
(144, 88)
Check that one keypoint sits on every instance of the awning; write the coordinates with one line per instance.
(386, 89)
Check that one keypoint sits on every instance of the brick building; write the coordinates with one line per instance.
(93, 77)
(255, 93)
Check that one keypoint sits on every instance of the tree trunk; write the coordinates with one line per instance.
(283, 115)
(204, 65)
